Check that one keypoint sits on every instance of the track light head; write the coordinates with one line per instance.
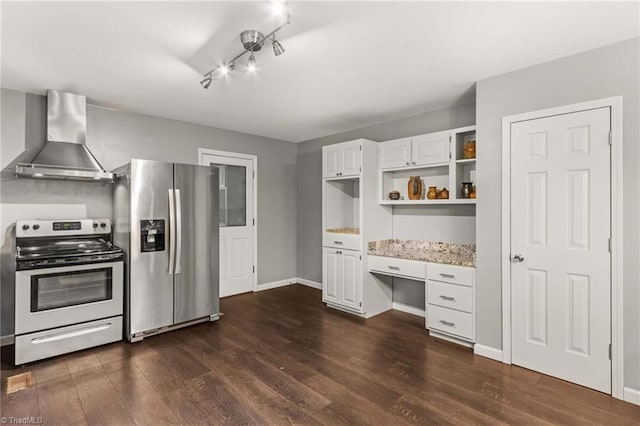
(251, 63)
(227, 68)
(277, 47)
(206, 82)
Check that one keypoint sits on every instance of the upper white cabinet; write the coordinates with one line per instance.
(431, 148)
(437, 159)
(343, 159)
(395, 153)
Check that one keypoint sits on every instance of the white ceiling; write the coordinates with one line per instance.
(347, 65)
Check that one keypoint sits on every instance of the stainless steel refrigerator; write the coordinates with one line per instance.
(166, 220)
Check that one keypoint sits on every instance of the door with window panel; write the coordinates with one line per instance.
(236, 223)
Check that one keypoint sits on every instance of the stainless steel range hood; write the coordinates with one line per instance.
(65, 155)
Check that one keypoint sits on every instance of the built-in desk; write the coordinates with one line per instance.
(448, 270)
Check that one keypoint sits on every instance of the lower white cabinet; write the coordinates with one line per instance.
(342, 282)
(449, 304)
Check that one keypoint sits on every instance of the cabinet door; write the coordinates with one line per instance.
(430, 148)
(351, 158)
(332, 160)
(330, 275)
(351, 279)
(395, 153)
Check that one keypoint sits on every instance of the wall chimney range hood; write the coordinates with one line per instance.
(65, 155)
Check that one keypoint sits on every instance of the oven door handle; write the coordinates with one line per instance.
(178, 233)
(172, 231)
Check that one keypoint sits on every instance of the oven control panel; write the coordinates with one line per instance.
(45, 228)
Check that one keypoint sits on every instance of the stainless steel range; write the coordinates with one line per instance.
(69, 287)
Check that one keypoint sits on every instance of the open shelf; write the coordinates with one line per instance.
(398, 180)
(342, 206)
(427, 201)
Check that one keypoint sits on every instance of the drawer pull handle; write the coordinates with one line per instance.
(451, 298)
(447, 275)
(338, 242)
(447, 323)
(395, 268)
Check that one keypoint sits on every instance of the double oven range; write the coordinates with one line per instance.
(68, 289)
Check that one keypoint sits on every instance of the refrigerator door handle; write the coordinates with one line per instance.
(172, 231)
(178, 251)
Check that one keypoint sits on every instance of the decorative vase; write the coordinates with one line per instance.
(414, 188)
(467, 188)
(444, 194)
(432, 194)
(469, 149)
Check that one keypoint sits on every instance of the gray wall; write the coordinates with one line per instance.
(115, 137)
(600, 73)
(432, 219)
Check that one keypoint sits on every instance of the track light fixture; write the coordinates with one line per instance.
(252, 41)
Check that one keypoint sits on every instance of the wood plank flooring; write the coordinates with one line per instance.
(281, 357)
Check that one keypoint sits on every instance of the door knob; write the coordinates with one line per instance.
(517, 258)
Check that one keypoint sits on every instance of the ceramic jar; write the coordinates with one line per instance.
(469, 149)
(432, 194)
(394, 195)
(444, 194)
(414, 188)
(467, 188)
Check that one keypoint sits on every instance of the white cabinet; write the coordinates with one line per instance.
(351, 217)
(395, 153)
(449, 302)
(437, 159)
(343, 159)
(431, 148)
(342, 278)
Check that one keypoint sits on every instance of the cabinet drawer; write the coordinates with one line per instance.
(345, 241)
(461, 275)
(397, 267)
(450, 321)
(450, 296)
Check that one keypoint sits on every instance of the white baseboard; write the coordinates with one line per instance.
(408, 309)
(276, 284)
(487, 352)
(309, 283)
(6, 340)
(632, 395)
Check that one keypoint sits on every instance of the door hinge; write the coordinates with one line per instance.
(360, 147)
(360, 257)
(609, 245)
(254, 269)
(360, 168)
(254, 222)
(610, 138)
(361, 304)
(609, 350)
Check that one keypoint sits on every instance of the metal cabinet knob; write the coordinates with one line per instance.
(408, 163)
(517, 258)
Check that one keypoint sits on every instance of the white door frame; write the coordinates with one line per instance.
(254, 188)
(615, 103)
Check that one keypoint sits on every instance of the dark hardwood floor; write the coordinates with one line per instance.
(280, 357)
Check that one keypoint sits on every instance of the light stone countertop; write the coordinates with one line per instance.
(425, 251)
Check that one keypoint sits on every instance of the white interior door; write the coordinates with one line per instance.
(560, 230)
(236, 223)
